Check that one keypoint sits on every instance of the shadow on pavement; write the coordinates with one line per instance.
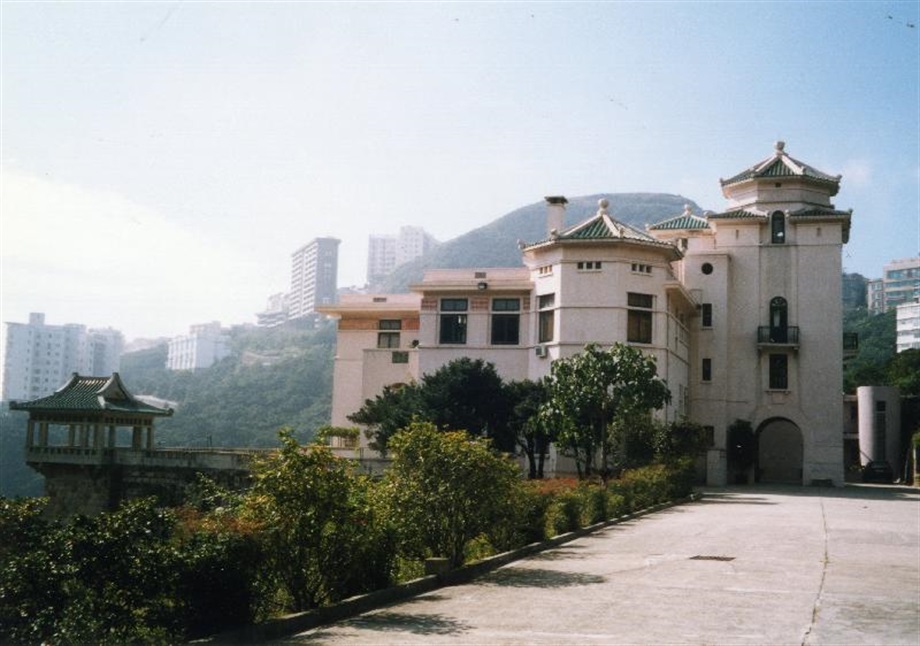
(748, 494)
(419, 624)
(518, 577)
(564, 552)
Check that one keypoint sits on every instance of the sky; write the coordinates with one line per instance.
(160, 161)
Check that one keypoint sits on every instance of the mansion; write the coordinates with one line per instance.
(741, 310)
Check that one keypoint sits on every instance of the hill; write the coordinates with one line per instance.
(496, 244)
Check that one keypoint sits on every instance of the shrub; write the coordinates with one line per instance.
(443, 489)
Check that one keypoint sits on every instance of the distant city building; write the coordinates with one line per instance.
(387, 252)
(276, 310)
(202, 347)
(38, 358)
(855, 290)
(314, 277)
(908, 326)
(381, 258)
(900, 283)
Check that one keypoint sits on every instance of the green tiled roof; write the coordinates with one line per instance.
(819, 212)
(736, 215)
(683, 222)
(779, 164)
(92, 394)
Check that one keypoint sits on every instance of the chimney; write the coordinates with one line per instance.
(555, 213)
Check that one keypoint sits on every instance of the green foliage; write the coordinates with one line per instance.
(16, 478)
(530, 432)
(104, 580)
(463, 394)
(273, 378)
(319, 523)
(877, 343)
(904, 372)
(595, 393)
(444, 489)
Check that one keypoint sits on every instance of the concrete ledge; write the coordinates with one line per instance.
(299, 622)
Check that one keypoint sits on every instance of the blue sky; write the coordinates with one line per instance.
(160, 161)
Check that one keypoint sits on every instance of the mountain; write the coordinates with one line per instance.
(496, 244)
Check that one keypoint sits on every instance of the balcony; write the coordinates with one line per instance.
(778, 337)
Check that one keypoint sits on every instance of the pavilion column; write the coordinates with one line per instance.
(150, 438)
(30, 434)
(84, 435)
(43, 434)
(137, 437)
(72, 435)
(97, 437)
(111, 443)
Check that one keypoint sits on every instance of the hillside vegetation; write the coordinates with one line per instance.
(274, 377)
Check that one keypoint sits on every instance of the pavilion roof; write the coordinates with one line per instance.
(92, 394)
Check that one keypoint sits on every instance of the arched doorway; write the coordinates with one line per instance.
(779, 452)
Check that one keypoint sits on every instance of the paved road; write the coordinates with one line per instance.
(741, 566)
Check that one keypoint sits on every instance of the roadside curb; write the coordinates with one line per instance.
(299, 622)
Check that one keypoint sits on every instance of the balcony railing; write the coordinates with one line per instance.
(769, 335)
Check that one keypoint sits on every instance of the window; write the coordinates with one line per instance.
(506, 321)
(706, 268)
(545, 270)
(400, 357)
(388, 338)
(779, 320)
(706, 374)
(547, 321)
(640, 268)
(453, 321)
(779, 372)
(639, 321)
(707, 314)
(589, 265)
(778, 227)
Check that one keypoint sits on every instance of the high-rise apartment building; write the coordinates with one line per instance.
(314, 277)
(39, 358)
(202, 347)
(381, 258)
(900, 283)
(908, 326)
(387, 252)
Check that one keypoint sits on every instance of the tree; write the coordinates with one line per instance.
(904, 372)
(590, 391)
(445, 488)
(323, 538)
(877, 342)
(390, 411)
(533, 437)
(463, 394)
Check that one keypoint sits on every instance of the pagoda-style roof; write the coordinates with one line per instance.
(600, 228)
(92, 395)
(686, 221)
(781, 165)
(738, 214)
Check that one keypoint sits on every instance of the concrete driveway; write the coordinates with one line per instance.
(741, 566)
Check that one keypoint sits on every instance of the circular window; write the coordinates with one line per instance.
(707, 268)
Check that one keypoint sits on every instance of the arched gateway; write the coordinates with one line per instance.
(779, 452)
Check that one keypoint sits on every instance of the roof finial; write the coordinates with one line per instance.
(779, 146)
(687, 210)
(602, 205)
